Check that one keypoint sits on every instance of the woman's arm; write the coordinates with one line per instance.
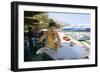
(42, 38)
(59, 40)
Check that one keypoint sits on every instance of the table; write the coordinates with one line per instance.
(65, 52)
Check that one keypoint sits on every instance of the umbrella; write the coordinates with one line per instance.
(30, 13)
(30, 20)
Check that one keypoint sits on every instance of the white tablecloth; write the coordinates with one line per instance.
(66, 52)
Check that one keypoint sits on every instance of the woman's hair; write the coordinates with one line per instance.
(52, 24)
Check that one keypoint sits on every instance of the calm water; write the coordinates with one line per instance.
(85, 35)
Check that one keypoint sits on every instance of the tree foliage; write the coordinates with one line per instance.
(39, 20)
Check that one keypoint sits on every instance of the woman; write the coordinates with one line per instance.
(52, 37)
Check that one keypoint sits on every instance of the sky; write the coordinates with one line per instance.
(71, 18)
